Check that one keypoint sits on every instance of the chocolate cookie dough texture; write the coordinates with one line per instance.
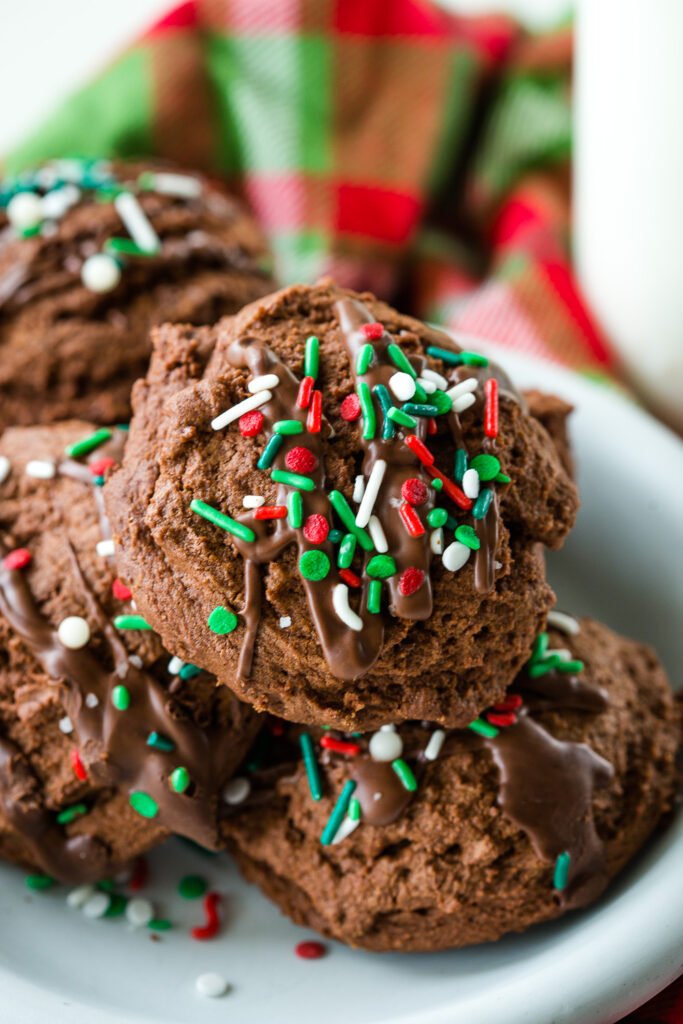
(107, 744)
(420, 838)
(91, 255)
(338, 512)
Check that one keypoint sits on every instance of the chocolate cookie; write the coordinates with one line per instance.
(93, 713)
(91, 255)
(338, 512)
(414, 838)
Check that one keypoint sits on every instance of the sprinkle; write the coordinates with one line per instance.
(139, 912)
(65, 725)
(222, 620)
(210, 929)
(236, 790)
(512, 702)
(143, 804)
(347, 550)
(358, 489)
(374, 596)
(120, 591)
(437, 517)
(191, 887)
(408, 780)
(211, 985)
(97, 905)
(303, 397)
(311, 765)
(159, 742)
(17, 559)
(436, 484)
(363, 359)
(385, 745)
(263, 383)
(316, 529)
(402, 418)
(189, 671)
(314, 565)
(436, 541)
(455, 556)
(100, 466)
(120, 698)
(78, 897)
(340, 746)
(371, 493)
(347, 826)
(481, 505)
(73, 632)
(463, 403)
(5, 467)
(384, 399)
(470, 484)
(105, 548)
(136, 222)
(561, 873)
(540, 647)
(252, 501)
(501, 718)
(338, 813)
(213, 515)
(312, 357)
(282, 476)
(88, 444)
(368, 411)
(250, 423)
(570, 666)
(131, 622)
(411, 520)
(271, 512)
(419, 409)
(40, 469)
(288, 427)
(315, 413)
(350, 408)
(445, 355)
(300, 460)
(24, 210)
(435, 378)
(377, 534)
(236, 411)
(179, 780)
(427, 386)
(503, 478)
(403, 385)
(343, 510)
(415, 492)
(566, 623)
(39, 882)
(420, 449)
(285, 621)
(268, 454)
(160, 924)
(466, 535)
(349, 577)
(295, 509)
(174, 666)
(183, 186)
(491, 409)
(340, 602)
(483, 728)
(410, 581)
(442, 402)
(381, 567)
(77, 765)
(400, 360)
(436, 742)
(70, 814)
(463, 387)
(373, 331)
(487, 466)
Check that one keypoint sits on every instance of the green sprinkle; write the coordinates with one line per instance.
(542, 667)
(375, 597)
(39, 882)
(105, 885)
(159, 924)
(354, 809)
(191, 887)
(561, 873)
(399, 359)
(87, 444)
(120, 697)
(487, 466)
(540, 647)
(347, 550)
(408, 780)
(466, 535)
(481, 505)
(159, 742)
(179, 780)
(288, 427)
(311, 765)
(384, 399)
(338, 814)
(437, 517)
(343, 510)
(363, 359)
(283, 476)
(222, 620)
(445, 355)
(35, 229)
(312, 357)
(571, 666)
(189, 671)
(502, 478)
(213, 515)
(420, 394)
(452, 523)
(117, 905)
(70, 814)
(367, 411)
(126, 247)
(437, 484)
(483, 728)
(314, 565)
(460, 464)
(419, 409)
(131, 622)
(295, 509)
(147, 181)
(143, 804)
(335, 536)
(275, 441)
(442, 401)
(381, 567)
(473, 359)
(125, 427)
(98, 481)
(402, 418)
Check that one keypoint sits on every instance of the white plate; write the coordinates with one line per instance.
(623, 563)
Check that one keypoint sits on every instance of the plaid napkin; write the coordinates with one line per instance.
(417, 153)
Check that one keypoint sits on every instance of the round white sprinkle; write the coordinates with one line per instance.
(403, 386)
(428, 386)
(377, 535)
(253, 501)
(91, 700)
(65, 725)
(345, 829)
(5, 467)
(40, 469)
(267, 380)
(139, 912)
(436, 541)
(100, 273)
(96, 905)
(464, 387)
(371, 492)
(567, 623)
(25, 210)
(385, 746)
(470, 483)
(105, 548)
(433, 748)
(435, 378)
(462, 403)
(80, 895)
(73, 632)
(211, 985)
(340, 602)
(237, 790)
(455, 556)
(285, 621)
(235, 411)
(174, 666)
(358, 488)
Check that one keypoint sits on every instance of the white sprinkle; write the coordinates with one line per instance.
(464, 402)
(96, 905)
(340, 602)
(358, 488)
(285, 621)
(73, 632)
(253, 501)
(436, 378)
(436, 540)
(139, 912)
(345, 829)
(100, 273)
(385, 745)
(389, 727)
(464, 387)
(135, 660)
(238, 410)
(65, 725)
(376, 796)
(136, 222)
(567, 623)
(371, 492)
(91, 700)
(24, 210)
(237, 790)
(181, 185)
(428, 386)
(58, 200)
(561, 652)
(403, 386)
(105, 548)
(433, 748)
(80, 895)
(377, 535)
(455, 556)
(211, 985)
(5, 467)
(262, 383)
(40, 469)
(470, 483)
(174, 666)
(497, 565)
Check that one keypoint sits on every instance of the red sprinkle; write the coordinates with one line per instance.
(414, 491)
(300, 460)
(251, 423)
(303, 398)
(270, 512)
(502, 719)
(316, 529)
(350, 408)
(100, 466)
(452, 490)
(77, 765)
(17, 559)
(421, 450)
(411, 519)
(511, 703)
(310, 950)
(120, 590)
(210, 929)
(350, 577)
(340, 746)
(138, 879)
(373, 331)
(410, 581)
(431, 425)
(315, 413)
(491, 408)
(276, 726)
